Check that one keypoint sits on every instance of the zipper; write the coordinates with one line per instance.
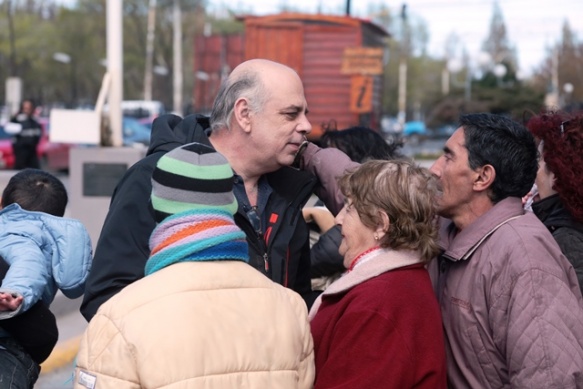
(258, 244)
(266, 262)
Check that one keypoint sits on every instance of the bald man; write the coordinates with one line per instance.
(258, 123)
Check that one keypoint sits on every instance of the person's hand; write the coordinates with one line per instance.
(319, 215)
(9, 301)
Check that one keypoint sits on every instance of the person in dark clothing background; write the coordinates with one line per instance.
(26, 140)
(559, 203)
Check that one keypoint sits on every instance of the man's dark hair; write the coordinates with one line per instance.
(506, 145)
(362, 144)
(36, 190)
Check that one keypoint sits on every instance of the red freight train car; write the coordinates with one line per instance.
(339, 58)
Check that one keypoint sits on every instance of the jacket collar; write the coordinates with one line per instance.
(170, 131)
(543, 209)
(460, 245)
(554, 215)
(379, 262)
(280, 182)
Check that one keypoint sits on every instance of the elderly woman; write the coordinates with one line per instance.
(559, 203)
(379, 325)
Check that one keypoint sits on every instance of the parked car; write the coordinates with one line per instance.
(53, 156)
(391, 128)
(6, 154)
(444, 131)
(135, 133)
(415, 132)
(415, 128)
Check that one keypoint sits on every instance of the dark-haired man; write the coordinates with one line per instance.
(511, 304)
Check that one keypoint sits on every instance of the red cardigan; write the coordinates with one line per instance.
(383, 333)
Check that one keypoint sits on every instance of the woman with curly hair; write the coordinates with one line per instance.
(559, 204)
(379, 325)
(361, 144)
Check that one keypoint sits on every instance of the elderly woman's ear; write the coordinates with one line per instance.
(383, 225)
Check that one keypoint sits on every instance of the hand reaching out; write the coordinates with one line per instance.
(9, 301)
(319, 215)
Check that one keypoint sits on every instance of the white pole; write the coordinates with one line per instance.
(115, 68)
(150, 50)
(177, 97)
(402, 101)
(402, 98)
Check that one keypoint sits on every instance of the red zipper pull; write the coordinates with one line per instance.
(265, 260)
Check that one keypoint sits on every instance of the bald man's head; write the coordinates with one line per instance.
(254, 80)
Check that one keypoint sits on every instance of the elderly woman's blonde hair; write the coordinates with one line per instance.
(406, 193)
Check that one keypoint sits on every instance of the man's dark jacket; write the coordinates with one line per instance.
(565, 229)
(122, 248)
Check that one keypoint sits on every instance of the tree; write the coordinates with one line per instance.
(497, 89)
(409, 37)
(497, 44)
(570, 67)
(78, 29)
(568, 52)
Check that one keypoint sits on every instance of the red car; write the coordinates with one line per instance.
(52, 156)
(6, 154)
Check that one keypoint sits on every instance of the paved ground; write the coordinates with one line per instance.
(57, 370)
(61, 378)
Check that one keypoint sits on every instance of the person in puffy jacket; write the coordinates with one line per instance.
(559, 203)
(511, 305)
(45, 252)
(201, 317)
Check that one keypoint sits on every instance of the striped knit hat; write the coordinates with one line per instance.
(192, 196)
(193, 176)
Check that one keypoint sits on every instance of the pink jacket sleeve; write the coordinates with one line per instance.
(328, 165)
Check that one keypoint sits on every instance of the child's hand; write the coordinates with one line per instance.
(9, 301)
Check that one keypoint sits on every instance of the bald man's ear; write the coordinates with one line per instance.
(484, 178)
(241, 113)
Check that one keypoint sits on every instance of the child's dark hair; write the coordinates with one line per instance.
(36, 190)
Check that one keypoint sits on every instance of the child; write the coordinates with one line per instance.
(45, 251)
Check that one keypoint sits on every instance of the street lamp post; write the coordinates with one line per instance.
(499, 71)
(568, 88)
(66, 59)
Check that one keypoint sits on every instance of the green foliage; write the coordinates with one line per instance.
(503, 94)
(45, 27)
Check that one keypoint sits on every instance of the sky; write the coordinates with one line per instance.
(532, 25)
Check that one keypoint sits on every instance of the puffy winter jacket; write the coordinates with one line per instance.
(199, 325)
(511, 305)
(45, 253)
